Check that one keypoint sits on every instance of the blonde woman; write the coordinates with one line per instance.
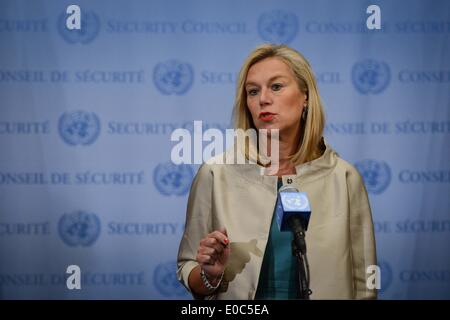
(231, 247)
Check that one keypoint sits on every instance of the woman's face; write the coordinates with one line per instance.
(273, 96)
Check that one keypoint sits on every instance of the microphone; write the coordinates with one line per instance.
(292, 213)
(292, 210)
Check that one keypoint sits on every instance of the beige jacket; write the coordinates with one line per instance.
(340, 237)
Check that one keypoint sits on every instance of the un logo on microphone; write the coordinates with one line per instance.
(171, 179)
(173, 77)
(90, 28)
(370, 76)
(295, 201)
(165, 280)
(79, 127)
(278, 26)
(79, 228)
(376, 175)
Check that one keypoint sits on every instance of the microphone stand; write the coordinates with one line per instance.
(299, 251)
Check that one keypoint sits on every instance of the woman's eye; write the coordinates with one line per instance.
(252, 92)
(277, 86)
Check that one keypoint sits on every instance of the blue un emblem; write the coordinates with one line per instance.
(295, 201)
(79, 228)
(173, 77)
(90, 27)
(171, 179)
(370, 76)
(79, 127)
(165, 280)
(376, 175)
(278, 26)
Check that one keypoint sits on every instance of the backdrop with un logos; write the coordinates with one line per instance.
(86, 116)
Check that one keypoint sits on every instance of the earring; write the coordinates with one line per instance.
(305, 113)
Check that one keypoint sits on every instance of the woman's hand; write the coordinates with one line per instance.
(212, 254)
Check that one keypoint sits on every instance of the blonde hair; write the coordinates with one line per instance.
(311, 145)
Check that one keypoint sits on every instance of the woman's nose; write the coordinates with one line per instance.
(264, 97)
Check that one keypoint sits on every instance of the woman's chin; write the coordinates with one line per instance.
(269, 126)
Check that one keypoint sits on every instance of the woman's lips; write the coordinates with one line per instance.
(266, 116)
